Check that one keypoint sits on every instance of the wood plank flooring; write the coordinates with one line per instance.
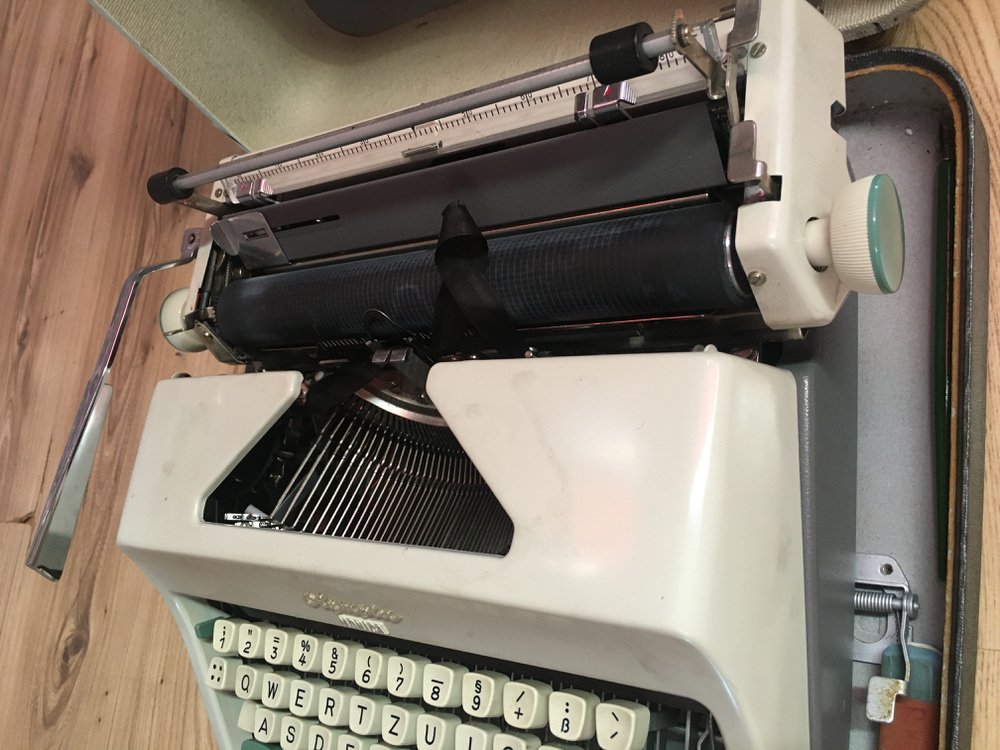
(95, 662)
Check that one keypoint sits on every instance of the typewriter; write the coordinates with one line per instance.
(548, 434)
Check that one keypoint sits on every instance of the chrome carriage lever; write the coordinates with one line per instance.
(57, 521)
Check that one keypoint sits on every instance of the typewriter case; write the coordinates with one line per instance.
(922, 358)
(892, 393)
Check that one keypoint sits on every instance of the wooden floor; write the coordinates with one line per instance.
(94, 662)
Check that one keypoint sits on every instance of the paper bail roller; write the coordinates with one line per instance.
(666, 263)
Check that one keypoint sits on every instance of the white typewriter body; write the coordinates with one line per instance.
(648, 459)
(642, 553)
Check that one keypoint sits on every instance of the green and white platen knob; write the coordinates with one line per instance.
(866, 236)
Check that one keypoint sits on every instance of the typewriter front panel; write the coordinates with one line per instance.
(655, 504)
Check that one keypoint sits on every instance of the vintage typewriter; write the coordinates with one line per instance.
(549, 430)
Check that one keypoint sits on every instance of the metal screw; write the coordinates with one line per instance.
(218, 193)
(758, 49)
(756, 278)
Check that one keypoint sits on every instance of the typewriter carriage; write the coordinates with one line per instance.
(740, 332)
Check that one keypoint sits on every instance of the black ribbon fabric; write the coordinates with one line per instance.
(466, 297)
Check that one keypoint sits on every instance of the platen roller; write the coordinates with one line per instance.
(666, 263)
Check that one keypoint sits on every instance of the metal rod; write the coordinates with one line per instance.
(47, 555)
(281, 510)
(653, 46)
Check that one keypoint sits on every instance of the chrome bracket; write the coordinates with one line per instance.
(405, 361)
(254, 193)
(879, 579)
(604, 104)
(216, 346)
(880, 703)
(883, 591)
(253, 521)
(746, 24)
(248, 236)
(205, 205)
(732, 95)
(706, 58)
(743, 163)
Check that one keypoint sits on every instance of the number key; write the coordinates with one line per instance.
(224, 634)
(571, 714)
(306, 653)
(443, 684)
(337, 659)
(371, 667)
(278, 646)
(526, 704)
(406, 676)
(250, 637)
(482, 694)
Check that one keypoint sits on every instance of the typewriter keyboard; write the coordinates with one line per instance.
(309, 691)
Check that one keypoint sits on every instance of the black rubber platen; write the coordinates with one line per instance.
(671, 262)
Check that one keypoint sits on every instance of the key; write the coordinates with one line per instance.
(365, 713)
(221, 673)
(406, 675)
(292, 733)
(334, 705)
(622, 725)
(436, 731)
(266, 724)
(275, 689)
(558, 746)
(353, 742)
(306, 653)
(482, 694)
(371, 667)
(278, 646)
(251, 744)
(250, 640)
(224, 636)
(515, 741)
(337, 659)
(303, 697)
(443, 684)
(320, 737)
(571, 714)
(475, 736)
(250, 681)
(526, 704)
(245, 720)
(204, 630)
(399, 723)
